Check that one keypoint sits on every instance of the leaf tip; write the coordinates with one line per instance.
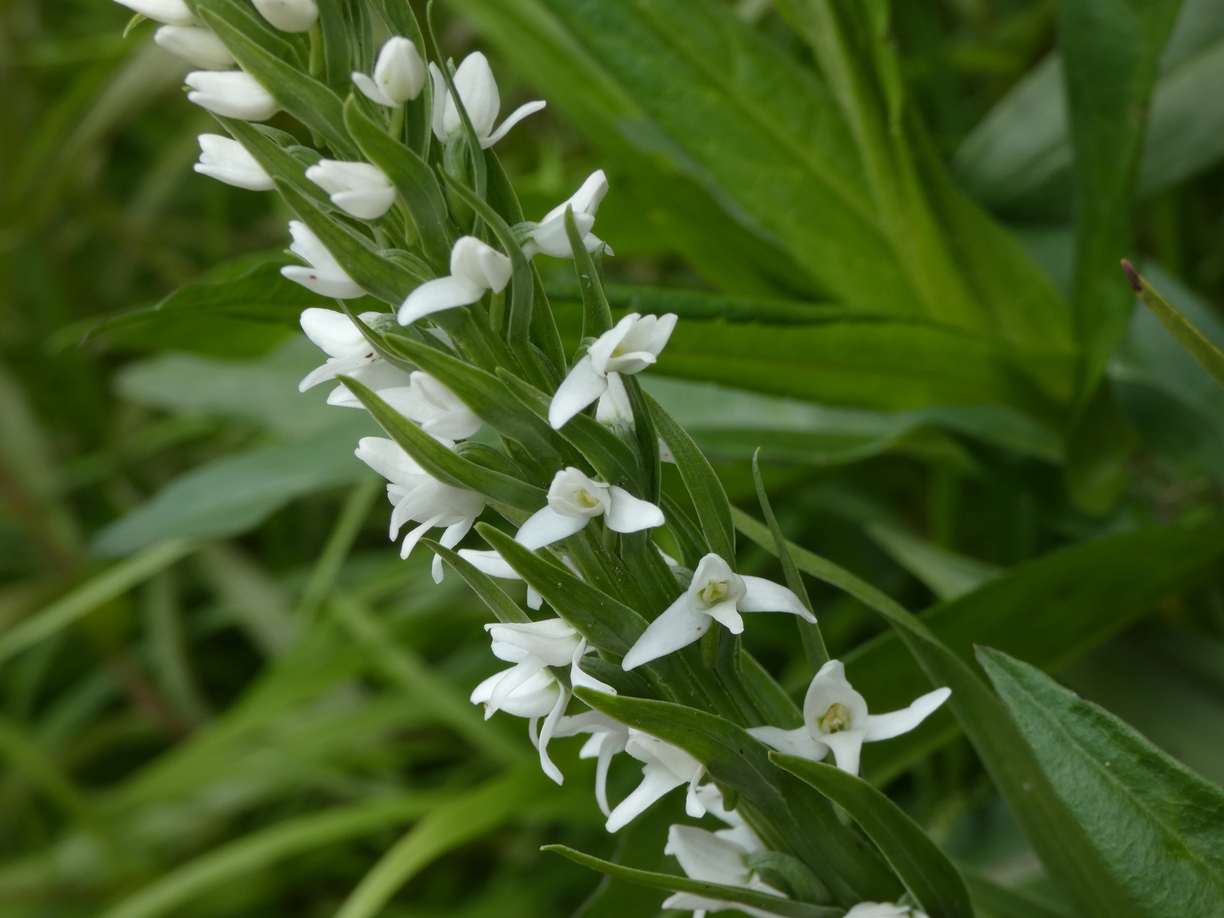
(1132, 276)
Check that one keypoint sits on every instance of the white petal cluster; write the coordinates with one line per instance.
(231, 94)
(289, 15)
(709, 858)
(475, 267)
(348, 354)
(549, 236)
(575, 499)
(835, 717)
(630, 347)
(226, 160)
(359, 189)
(399, 74)
(196, 45)
(664, 768)
(322, 272)
(420, 498)
(478, 92)
(715, 594)
(171, 12)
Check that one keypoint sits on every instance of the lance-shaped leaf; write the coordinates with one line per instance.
(596, 313)
(706, 491)
(797, 819)
(1199, 346)
(484, 586)
(413, 179)
(923, 868)
(298, 93)
(774, 905)
(1158, 825)
(388, 280)
(1073, 864)
(441, 462)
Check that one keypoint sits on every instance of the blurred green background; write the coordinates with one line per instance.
(221, 691)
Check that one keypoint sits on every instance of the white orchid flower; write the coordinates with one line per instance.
(438, 410)
(608, 737)
(664, 767)
(195, 45)
(614, 409)
(419, 497)
(630, 347)
(549, 236)
(231, 94)
(540, 696)
(349, 354)
(399, 74)
(475, 267)
(322, 273)
(171, 12)
(706, 857)
(738, 831)
(289, 15)
(716, 594)
(884, 910)
(228, 161)
(478, 91)
(574, 500)
(492, 564)
(359, 189)
(835, 717)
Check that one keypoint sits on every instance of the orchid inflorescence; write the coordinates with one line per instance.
(488, 416)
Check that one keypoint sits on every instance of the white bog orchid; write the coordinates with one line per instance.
(419, 497)
(608, 737)
(289, 15)
(171, 12)
(835, 717)
(195, 45)
(349, 354)
(478, 92)
(228, 161)
(574, 500)
(399, 74)
(322, 273)
(716, 594)
(359, 189)
(439, 411)
(539, 696)
(549, 236)
(475, 267)
(738, 831)
(884, 910)
(231, 94)
(664, 768)
(492, 564)
(630, 347)
(706, 857)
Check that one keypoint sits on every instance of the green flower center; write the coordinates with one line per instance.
(585, 498)
(834, 720)
(714, 591)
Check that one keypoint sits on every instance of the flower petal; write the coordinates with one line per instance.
(436, 295)
(631, 514)
(677, 627)
(886, 726)
(338, 286)
(656, 781)
(847, 746)
(828, 688)
(511, 120)
(371, 90)
(546, 526)
(791, 742)
(582, 386)
(490, 563)
(766, 596)
(546, 734)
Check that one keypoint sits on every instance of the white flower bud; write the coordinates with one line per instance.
(358, 189)
(228, 161)
(399, 74)
(195, 45)
(231, 94)
(171, 12)
(289, 15)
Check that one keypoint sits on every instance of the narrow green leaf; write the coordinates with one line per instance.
(277, 161)
(923, 868)
(706, 491)
(989, 896)
(1199, 346)
(773, 905)
(1072, 862)
(596, 314)
(1157, 825)
(441, 462)
(484, 586)
(412, 177)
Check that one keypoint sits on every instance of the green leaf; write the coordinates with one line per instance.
(1002, 902)
(716, 891)
(414, 180)
(596, 313)
(1158, 825)
(923, 868)
(709, 498)
(484, 586)
(793, 818)
(1073, 864)
(946, 573)
(1198, 345)
(441, 462)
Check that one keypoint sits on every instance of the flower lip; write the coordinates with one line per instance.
(227, 160)
(231, 94)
